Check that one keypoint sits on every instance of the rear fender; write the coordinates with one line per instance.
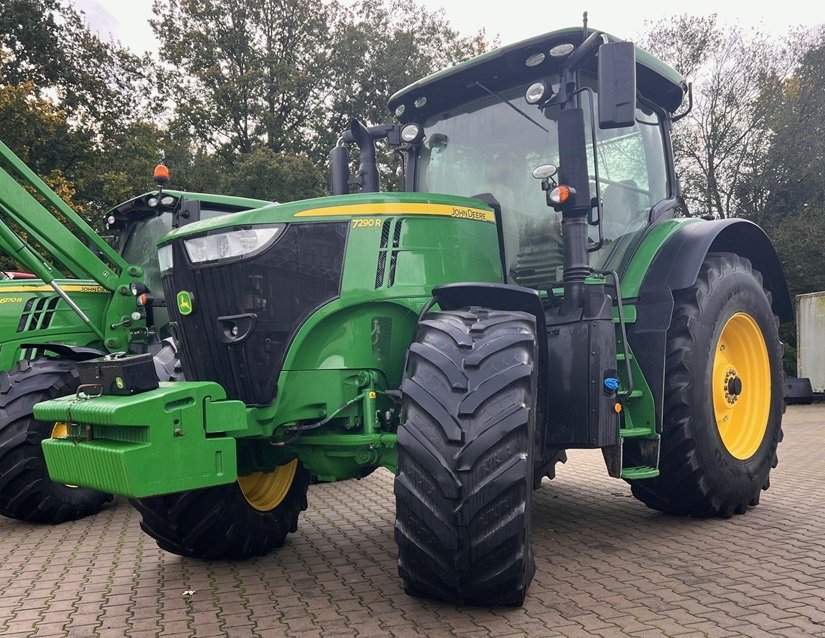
(676, 267)
(677, 263)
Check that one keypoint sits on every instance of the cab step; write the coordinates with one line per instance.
(640, 472)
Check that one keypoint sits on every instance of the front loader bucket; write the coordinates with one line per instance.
(147, 444)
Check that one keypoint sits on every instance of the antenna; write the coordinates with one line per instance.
(584, 26)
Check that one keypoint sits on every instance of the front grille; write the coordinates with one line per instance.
(245, 312)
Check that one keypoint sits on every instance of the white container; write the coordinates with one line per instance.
(810, 338)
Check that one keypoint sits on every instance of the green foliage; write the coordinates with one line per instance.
(259, 91)
(246, 73)
(47, 43)
(32, 41)
(791, 190)
(265, 174)
(381, 48)
(122, 167)
(71, 105)
(799, 238)
(289, 74)
(37, 131)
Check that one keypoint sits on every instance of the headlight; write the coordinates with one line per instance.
(231, 244)
(412, 133)
(535, 59)
(561, 50)
(535, 93)
(165, 258)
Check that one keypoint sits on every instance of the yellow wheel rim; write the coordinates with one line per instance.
(265, 490)
(741, 386)
(60, 430)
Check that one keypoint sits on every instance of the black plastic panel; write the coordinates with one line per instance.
(581, 350)
(245, 312)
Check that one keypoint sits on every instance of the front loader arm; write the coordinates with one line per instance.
(78, 257)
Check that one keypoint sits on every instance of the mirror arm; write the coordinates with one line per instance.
(585, 51)
(678, 116)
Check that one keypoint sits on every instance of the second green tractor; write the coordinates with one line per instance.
(78, 298)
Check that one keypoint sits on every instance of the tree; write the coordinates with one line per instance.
(47, 46)
(381, 47)
(287, 74)
(791, 188)
(726, 136)
(71, 104)
(38, 131)
(249, 72)
(265, 174)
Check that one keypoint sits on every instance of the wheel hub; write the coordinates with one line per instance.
(733, 386)
(741, 386)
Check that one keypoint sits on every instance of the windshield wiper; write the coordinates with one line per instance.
(511, 105)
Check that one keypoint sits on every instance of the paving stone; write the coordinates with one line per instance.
(605, 566)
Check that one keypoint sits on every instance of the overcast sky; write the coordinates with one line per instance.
(514, 20)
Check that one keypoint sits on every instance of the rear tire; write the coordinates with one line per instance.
(463, 498)
(26, 491)
(221, 522)
(723, 395)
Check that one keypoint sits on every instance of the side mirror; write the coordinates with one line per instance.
(617, 85)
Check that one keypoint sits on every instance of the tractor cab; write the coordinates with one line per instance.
(497, 126)
(488, 146)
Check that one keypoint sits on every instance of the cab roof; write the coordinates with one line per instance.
(505, 66)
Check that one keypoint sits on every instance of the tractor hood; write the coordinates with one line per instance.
(344, 206)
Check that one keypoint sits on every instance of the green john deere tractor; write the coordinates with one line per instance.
(536, 286)
(88, 299)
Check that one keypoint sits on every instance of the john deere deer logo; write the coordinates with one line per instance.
(184, 302)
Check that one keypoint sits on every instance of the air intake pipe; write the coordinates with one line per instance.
(367, 176)
(364, 137)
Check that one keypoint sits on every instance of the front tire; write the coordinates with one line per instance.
(26, 491)
(723, 395)
(250, 517)
(465, 462)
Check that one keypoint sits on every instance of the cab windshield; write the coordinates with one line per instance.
(141, 249)
(488, 146)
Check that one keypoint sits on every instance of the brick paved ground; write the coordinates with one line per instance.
(607, 566)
